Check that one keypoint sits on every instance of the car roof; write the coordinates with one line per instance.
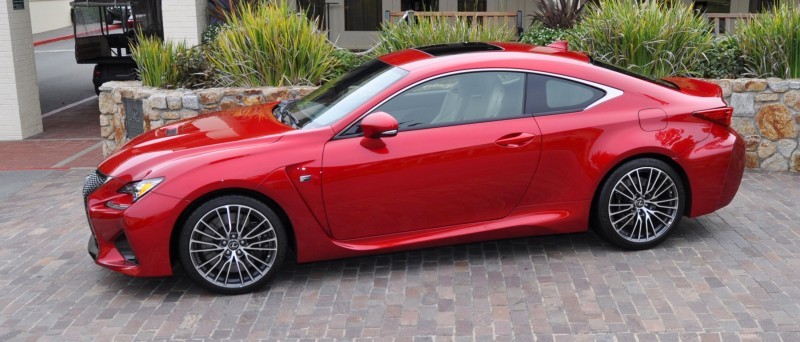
(406, 57)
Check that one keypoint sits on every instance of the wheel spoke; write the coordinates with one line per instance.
(222, 237)
(206, 250)
(203, 242)
(617, 221)
(261, 248)
(248, 237)
(222, 222)
(209, 236)
(621, 193)
(620, 212)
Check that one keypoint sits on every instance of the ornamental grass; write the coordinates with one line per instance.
(156, 61)
(649, 37)
(432, 30)
(770, 42)
(270, 45)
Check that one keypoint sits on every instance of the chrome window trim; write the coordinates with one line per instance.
(611, 92)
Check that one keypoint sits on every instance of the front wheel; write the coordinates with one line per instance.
(232, 244)
(640, 204)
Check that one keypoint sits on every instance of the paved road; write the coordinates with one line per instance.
(61, 80)
(726, 276)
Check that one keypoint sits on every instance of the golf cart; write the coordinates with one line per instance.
(99, 41)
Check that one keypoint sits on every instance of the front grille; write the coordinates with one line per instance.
(93, 181)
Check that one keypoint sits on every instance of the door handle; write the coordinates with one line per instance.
(515, 139)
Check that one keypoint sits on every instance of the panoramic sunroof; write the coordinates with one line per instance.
(452, 49)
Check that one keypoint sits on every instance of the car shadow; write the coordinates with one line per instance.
(294, 277)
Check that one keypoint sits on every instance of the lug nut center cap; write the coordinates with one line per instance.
(233, 245)
(639, 203)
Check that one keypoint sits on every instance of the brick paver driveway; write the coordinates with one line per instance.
(730, 275)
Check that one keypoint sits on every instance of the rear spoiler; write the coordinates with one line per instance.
(695, 87)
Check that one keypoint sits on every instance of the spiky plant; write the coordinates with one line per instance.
(558, 14)
(431, 30)
(270, 45)
(770, 42)
(156, 61)
(649, 37)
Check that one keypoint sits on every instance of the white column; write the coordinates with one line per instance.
(20, 114)
(184, 20)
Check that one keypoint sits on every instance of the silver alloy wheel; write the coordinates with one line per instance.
(643, 204)
(233, 246)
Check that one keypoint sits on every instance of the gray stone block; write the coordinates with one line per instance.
(743, 104)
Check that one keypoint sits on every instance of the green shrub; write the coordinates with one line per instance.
(538, 34)
(649, 37)
(439, 30)
(193, 69)
(771, 42)
(723, 60)
(347, 61)
(211, 32)
(270, 45)
(156, 61)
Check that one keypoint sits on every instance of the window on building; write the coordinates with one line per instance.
(362, 15)
(472, 5)
(419, 5)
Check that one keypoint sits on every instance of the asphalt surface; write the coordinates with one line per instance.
(61, 80)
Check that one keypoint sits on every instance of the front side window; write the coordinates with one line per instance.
(459, 99)
(550, 95)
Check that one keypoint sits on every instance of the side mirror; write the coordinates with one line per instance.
(379, 125)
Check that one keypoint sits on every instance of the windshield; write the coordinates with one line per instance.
(339, 97)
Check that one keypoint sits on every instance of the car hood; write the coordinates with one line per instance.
(198, 135)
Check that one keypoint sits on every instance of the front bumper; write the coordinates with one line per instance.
(134, 241)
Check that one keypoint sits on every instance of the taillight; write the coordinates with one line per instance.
(720, 116)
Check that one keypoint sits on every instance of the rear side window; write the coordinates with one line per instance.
(551, 95)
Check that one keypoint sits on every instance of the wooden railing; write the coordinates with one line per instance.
(725, 23)
(513, 19)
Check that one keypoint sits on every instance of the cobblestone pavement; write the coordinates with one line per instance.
(730, 275)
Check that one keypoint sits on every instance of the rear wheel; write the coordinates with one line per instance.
(640, 204)
(232, 244)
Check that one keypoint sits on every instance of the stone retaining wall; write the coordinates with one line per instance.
(161, 107)
(766, 112)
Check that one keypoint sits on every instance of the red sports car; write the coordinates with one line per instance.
(438, 145)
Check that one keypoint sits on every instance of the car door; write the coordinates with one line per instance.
(465, 152)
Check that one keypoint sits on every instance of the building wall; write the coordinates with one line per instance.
(20, 114)
(49, 15)
(184, 19)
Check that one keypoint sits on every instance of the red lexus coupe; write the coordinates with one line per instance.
(439, 145)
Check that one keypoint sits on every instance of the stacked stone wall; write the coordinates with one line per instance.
(766, 112)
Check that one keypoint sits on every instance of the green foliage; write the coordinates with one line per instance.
(723, 60)
(347, 61)
(649, 37)
(211, 32)
(155, 60)
(193, 69)
(439, 30)
(270, 45)
(771, 42)
(538, 34)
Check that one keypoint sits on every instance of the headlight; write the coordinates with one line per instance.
(140, 188)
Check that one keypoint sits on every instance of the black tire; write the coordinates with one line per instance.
(637, 208)
(239, 232)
